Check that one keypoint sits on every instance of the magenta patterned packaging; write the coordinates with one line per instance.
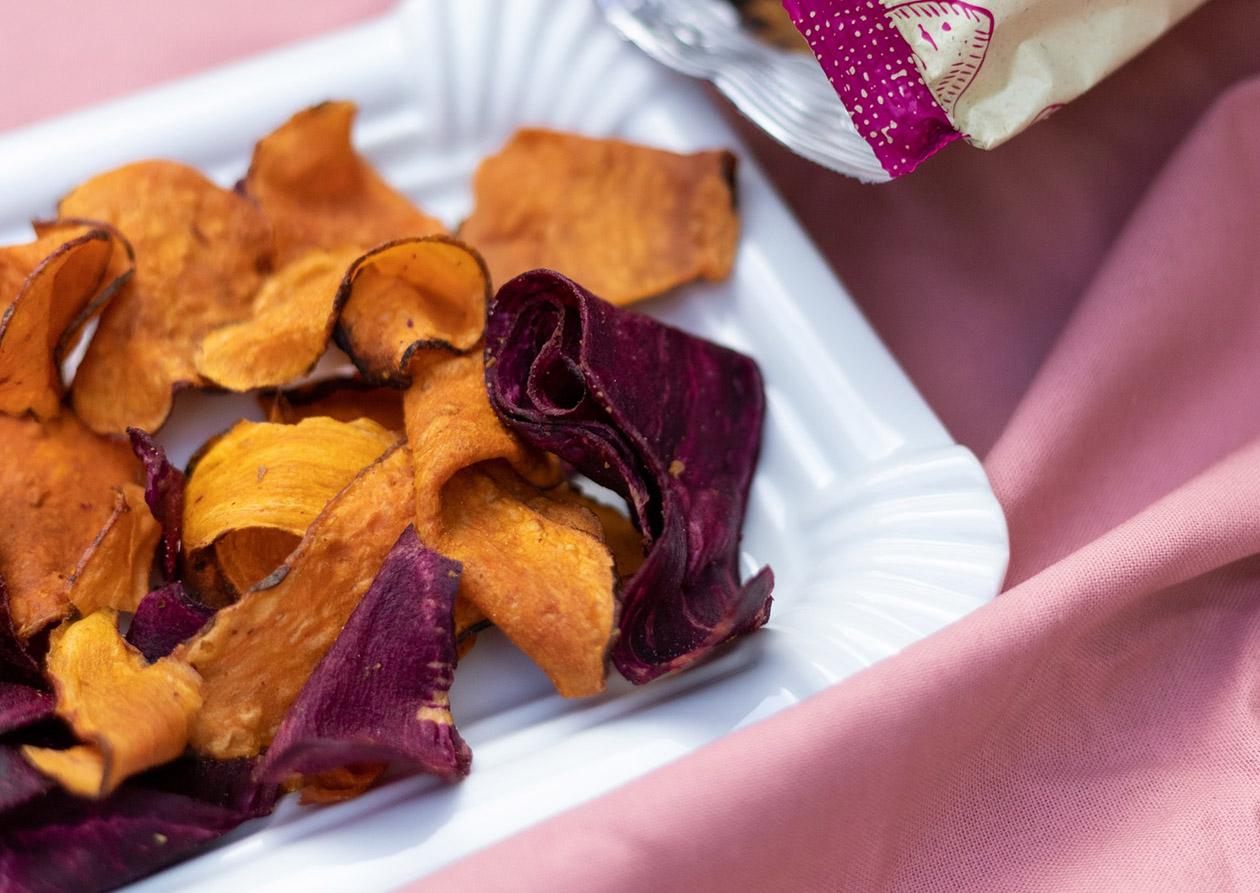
(917, 75)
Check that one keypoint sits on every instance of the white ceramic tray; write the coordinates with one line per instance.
(879, 528)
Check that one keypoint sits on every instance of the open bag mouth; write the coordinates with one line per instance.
(783, 91)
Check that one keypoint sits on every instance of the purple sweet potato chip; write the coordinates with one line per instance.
(666, 419)
(59, 842)
(26, 716)
(19, 783)
(380, 694)
(163, 493)
(232, 784)
(21, 705)
(16, 662)
(164, 618)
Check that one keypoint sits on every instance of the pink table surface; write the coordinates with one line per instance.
(1081, 307)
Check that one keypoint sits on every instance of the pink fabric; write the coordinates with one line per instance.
(64, 54)
(1081, 305)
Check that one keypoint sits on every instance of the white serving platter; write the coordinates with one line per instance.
(880, 529)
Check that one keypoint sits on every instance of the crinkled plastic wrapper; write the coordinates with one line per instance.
(917, 75)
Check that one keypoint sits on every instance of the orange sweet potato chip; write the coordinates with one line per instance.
(17, 262)
(58, 484)
(407, 296)
(343, 783)
(344, 399)
(318, 192)
(118, 272)
(254, 491)
(451, 425)
(245, 556)
(537, 567)
(200, 253)
(258, 653)
(52, 286)
(469, 620)
(550, 587)
(130, 715)
(114, 572)
(571, 506)
(291, 321)
(624, 541)
(626, 221)
(260, 474)
(217, 575)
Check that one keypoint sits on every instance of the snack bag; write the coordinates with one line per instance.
(916, 75)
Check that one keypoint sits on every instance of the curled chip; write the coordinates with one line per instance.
(319, 193)
(627, 221)
(344, 399)
(667, 420)
(544, 577)
(58, 485)
(450, 425)
(200, 251)
(114, 572)
(255, 490)
(408, 296)
(381, 693)
(130, 715)
(52, 287)
(256, 655)
(290, 322)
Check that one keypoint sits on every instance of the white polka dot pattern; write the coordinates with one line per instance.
(873, 71)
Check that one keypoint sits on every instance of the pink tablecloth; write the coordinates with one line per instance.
(1082, 307)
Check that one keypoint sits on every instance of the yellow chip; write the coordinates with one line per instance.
(255, 490)
(130, 715)
(614, 527)
(280, 477)
(256, 655)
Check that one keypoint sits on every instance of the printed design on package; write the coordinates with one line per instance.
(949, 40)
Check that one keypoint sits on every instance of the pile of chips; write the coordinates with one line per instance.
(178, 646)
